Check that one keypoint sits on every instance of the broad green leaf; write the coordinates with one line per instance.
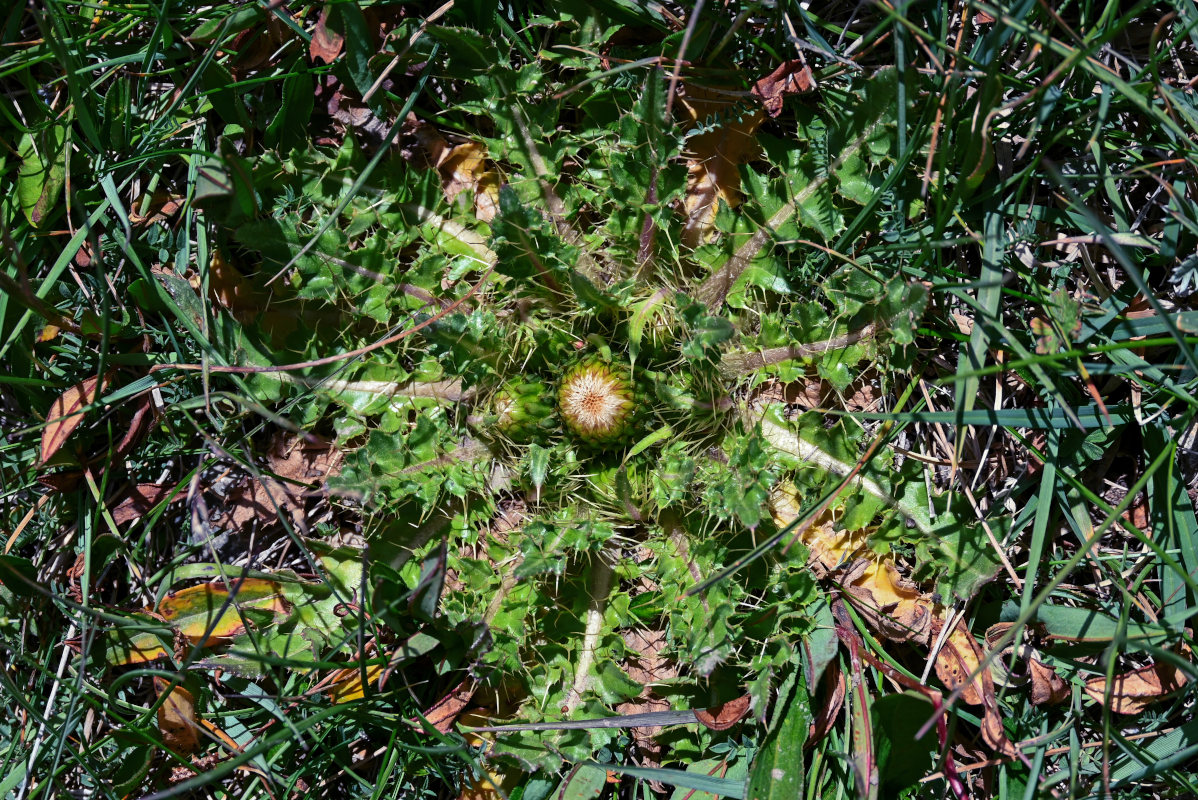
(613, 683)
(42, 173)
(902, 759)
(18, 575)
(359, 46)
(960, 553)
(1087, 625)
(778, 771)
(584, 782)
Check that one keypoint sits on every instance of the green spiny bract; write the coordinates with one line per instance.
(597, 402)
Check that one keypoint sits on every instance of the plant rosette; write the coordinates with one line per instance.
(597, 402)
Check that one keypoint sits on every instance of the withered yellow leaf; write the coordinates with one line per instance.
(713, 158)
(177, 717)
(207, 608)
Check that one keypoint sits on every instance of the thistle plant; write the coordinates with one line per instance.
(613, 389)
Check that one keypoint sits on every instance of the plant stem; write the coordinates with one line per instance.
(714, 290)
(735, 365)
(601, 576)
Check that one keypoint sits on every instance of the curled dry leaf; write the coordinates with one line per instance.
(326, 43)
(145, 414)
(836, 688)
(1132, 692)
(66, 414)
(462, 167)
(725, 715)
(443, 713)
(895, 607)
(177, 717)
(159, 207)
(960, 657)
(791, 77)
(1047, 686)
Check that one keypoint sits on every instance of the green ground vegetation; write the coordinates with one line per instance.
(404, 399)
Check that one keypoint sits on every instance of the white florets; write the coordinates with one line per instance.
(595, 401)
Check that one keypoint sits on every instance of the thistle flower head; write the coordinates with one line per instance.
(596, 401)
(522, 409)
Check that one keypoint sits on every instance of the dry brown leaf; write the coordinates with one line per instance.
(62, 481)
(714, 158)
(300, 463)
(1047, 686)
(177, 717)
(443, 713)
(646, 665)
(65, 414)
(1132, 692)
(896, 609)
(957, 660)
(465, 168)
(837, 689)
(141, 499)
(891, 604)
(791, 77)
(160, 207)
(83, 256)
(228, 288)
(422, 145)
(326, 44)
(725, 715)
(254, 47)
(350, 111)
(651, 751)
(144, 416)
